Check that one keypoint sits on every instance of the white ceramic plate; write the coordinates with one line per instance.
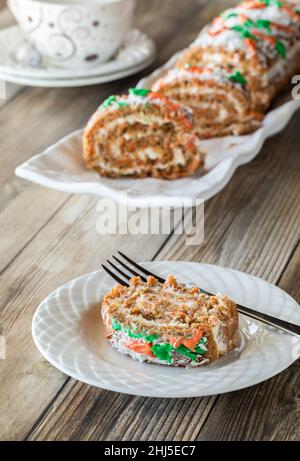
(16, 58)
(61, 167)
(68, 331)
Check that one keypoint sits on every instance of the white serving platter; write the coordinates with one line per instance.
(61, 166)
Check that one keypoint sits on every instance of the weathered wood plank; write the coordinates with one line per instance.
(269, 411)
(53, 251)
(43, 126)
(53, 114)
(253, 225)
(63, 249)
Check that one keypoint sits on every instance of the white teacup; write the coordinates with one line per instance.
(74, 33)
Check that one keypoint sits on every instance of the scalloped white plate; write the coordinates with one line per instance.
(61, 167)
(68, 331)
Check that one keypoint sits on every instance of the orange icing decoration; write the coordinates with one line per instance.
(253, 5)
(242, 18)
(267, 38)
(190, 343)
(140, 347)
(251, 44)
(219, 23)
(196, 70)
(291, 13)
(287, 29)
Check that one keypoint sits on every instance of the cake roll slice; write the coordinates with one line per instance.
(260, 38)
(142, 134)
(220, 100)
(169, 323)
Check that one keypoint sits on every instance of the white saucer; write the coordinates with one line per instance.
(74, 82)
(68, 331)
(20, 63)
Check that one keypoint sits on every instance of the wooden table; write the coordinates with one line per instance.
(48, 238)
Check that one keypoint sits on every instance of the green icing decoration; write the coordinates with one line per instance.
(249, 23)
(163, 352)
(237, 77)
(272, 3)
(243, 31)
(280, 48)
(186, 352)
(150, 338)
(228, 16)
(144, 336)
(116, 325)
(199, 350)
(122, 104)
(139, 92)
(263, 24)
(247, 34)
(108, 102)
(238, 28)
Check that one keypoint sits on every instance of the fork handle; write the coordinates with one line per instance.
(268, 319)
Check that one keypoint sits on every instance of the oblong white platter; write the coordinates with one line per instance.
(61, 167)
(68, 331)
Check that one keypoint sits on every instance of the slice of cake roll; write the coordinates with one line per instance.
(142, 134)
(169, 323)
(260, 38)
(220, 100)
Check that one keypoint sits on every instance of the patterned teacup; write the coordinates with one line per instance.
(74, 33)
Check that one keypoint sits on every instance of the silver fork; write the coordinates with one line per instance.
(135, 269)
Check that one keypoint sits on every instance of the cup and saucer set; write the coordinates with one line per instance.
(65, 43)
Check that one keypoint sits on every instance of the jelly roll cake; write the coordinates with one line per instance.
(169, 323)
(220, 99)
(258, 38)
(142, 134)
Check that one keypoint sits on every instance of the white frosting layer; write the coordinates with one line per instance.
(271, 13)
(233, 40)
(210, 73)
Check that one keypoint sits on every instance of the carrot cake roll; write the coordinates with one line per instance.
(170, 323)
(220, 100)
(260, 38)
(142, 134)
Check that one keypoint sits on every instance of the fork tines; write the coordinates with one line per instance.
(130, 272)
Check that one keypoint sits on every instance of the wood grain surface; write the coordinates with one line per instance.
(48, 238)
